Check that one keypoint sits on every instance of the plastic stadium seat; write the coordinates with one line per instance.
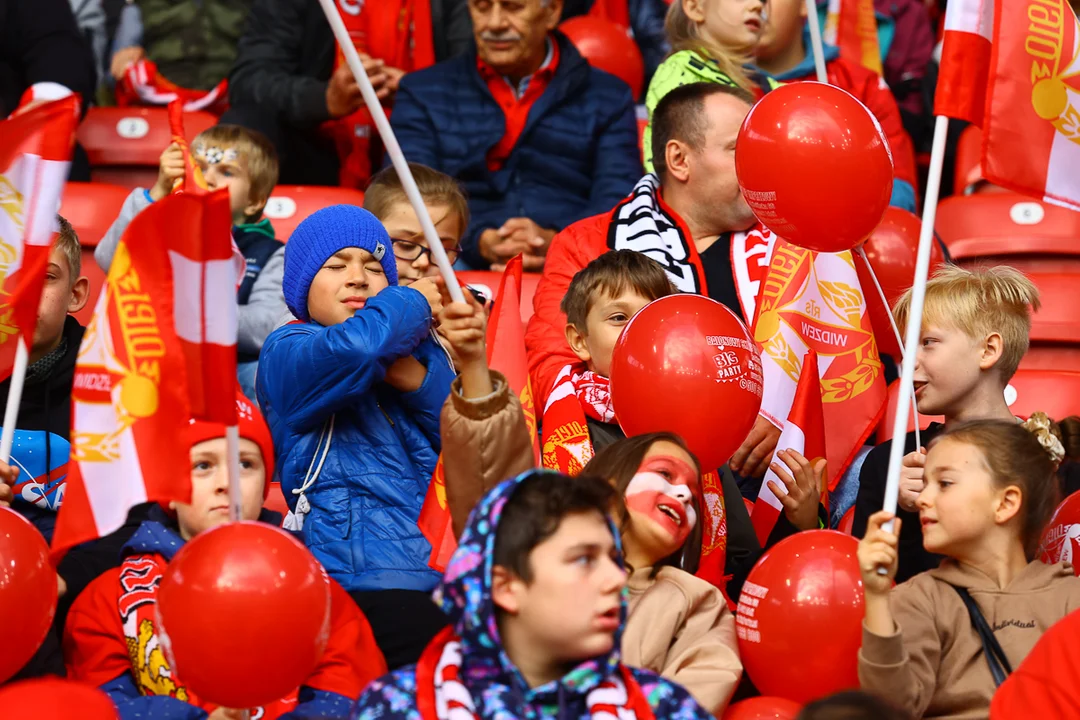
(275, 500)
(1058, 320)
(290, 204)
(91, 209)
(124, 144)
(1055, 392)
(487, 282)
(97, 280)
(885, 429)
(847, 521)
(1052, 356)
(1006, 225)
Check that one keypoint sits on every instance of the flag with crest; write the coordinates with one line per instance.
(851, 27)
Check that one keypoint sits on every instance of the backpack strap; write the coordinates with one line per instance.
(995, 656)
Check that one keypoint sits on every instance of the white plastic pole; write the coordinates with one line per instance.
(816, 44)
(11, 412)
(352, 59)
(914, 319)
(896, 331)
(232, 455)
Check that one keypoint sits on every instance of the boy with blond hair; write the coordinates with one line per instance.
(974, 333)
(245, 162)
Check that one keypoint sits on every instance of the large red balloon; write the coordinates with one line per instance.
(891, 250)
(608, 47)
(1061, 539)
(27, 592)
(686, 364)
(763, 708)
(814, 166)
(55, 699)
(799, 620)
(245, 613)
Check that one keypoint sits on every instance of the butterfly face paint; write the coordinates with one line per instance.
(664, 490)
(213, 155)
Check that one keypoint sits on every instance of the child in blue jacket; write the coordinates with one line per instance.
(352, 391)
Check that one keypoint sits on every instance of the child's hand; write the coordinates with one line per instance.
(221, 713)
(170, 169)
(911, 479)
(753, 458)
(8, 474)
(124, 58)
(431, 289)
(464, 325)
(879, 549)
(803, 490)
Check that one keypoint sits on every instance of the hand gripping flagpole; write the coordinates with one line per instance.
(11, 412)
(816, 44)
(352, 59)
(914, 319)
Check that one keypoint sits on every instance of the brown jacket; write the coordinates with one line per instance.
(933, 666)
(680, 627)
(484, 441)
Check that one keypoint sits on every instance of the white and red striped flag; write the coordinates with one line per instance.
(804, 432)
(965, 60)
(1031, 135)
(35, 152)
(160, 349)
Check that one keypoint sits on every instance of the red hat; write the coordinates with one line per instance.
(252, 427)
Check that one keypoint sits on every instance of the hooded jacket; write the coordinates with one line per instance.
(96, 651)
(933, 665)
(494, 682)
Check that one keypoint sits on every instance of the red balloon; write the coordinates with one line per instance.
(686, 364)
(814, 166)
(1061, 539)
(891, 250)
(763, 708)
(799, 620)
(609, 47)
(245, 613)
(27, 592)
(55, 699)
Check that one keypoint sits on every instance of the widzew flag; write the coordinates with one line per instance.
(505, 353)
(1031, 135)
(814, 301)
(803, 432)
(852, 27)
(159, 349)
(35, 152)
(965, 60)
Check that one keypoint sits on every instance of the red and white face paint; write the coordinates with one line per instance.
(663, 490)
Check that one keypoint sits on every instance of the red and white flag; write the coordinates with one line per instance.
(804, 432)
(965, 60)
(1031, 134)
(160, 349)
(851, 26)
(35, 152)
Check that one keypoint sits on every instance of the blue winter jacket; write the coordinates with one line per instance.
(494, 682)
(577, 156)
(384, 443)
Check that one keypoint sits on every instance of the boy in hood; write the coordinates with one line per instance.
(534, 596)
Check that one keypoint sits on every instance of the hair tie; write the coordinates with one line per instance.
(1040, 426)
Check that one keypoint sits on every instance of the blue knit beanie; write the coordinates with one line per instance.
(318, 237)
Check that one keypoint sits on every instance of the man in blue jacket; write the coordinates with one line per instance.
(538, 138)
(352, 393)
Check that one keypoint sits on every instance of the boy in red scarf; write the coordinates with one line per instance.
(111, 639)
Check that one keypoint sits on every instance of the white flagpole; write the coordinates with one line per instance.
(11, 412)
(816, 44)
(352, 59)
(914, 319)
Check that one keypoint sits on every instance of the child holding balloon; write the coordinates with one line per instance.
(679, 626)
(112, 639)
(940, 643)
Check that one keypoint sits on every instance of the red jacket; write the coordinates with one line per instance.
(1044, 686)
(545, 338)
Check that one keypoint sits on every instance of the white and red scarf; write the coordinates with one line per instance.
(441, 695)
(579, 393)
(142, 84)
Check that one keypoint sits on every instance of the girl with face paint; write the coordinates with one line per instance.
(679, 625)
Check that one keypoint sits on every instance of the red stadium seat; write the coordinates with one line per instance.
(885, 429)
(97, 280)
(1052, 356)
(487, 282)
(1006, 225)
(290, 204)
(847, 522)
(275, 500)
(91, 209)
(1055, 392)
(1058, 320)
(124, 144)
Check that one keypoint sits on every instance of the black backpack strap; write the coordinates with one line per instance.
(995, 656)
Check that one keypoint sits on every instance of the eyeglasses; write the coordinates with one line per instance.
(410, 251)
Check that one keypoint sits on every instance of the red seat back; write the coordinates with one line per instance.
(1006, 225)
(847, 521)
(290, 204)
(125, 144)
(96, 277)
(91, 209)
(1055, 392)
(275, 500)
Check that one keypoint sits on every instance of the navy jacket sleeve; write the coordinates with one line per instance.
(414, 127)
(131, 705)
(617, 159)
(312, 373)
